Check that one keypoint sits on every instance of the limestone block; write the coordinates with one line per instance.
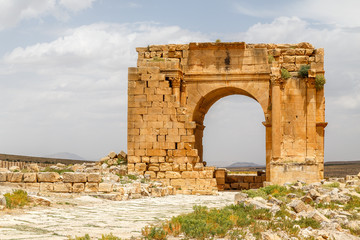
(187, 138)
(3, 176)
(140, 167)
(78, 187)
(105, 187)
(172, 174)
(131, 167)
(15, 177)
(182, 166)
(192, 153)
(30, 177)
(190, 174)
(156, 152)
(298, 205)
(165, 167)
(189, 167)
(154, 167)
(33, 186)
(74, 177)
(220, 173)
(199, 167)
(160, 175)
(206, 174)
(33, 167)
(48, 177)
(94, 177)
(258, 179)
(62, 187)
(46, 187)
(220, 181)
(191, 125)
(302, 60)
(248, 179)
(91, 187)
(289, 59)
(152, 174)
(134, 159)
(112, 155)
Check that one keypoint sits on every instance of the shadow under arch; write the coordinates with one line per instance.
(203, 106)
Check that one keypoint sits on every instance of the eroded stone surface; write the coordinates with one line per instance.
(96, 216)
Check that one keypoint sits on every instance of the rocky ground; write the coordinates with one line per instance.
(77, 216)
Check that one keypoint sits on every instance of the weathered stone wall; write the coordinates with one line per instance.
(226, 181)
(173, 87)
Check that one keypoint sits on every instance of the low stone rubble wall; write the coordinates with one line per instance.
(88, 183)
(227, 181)
(20, 164)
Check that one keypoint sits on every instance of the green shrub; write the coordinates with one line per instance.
(265, 192)
(285, 74)
(59, 171)
(153, 233)
(332, 185)
(218, 41)
(132, 177)
(319, 82)
(271, 59)
(109, 237)
(304, 71)
(18, 198)
(352, 204)
(308, 222)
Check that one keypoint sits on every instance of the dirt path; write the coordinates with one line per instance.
(70, 217)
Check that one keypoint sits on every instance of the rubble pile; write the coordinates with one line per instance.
(334, 204)
(107, 178)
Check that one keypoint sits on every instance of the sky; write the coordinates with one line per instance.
(63, 70)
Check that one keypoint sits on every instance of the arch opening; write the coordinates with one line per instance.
(234, 133)
(204, 105)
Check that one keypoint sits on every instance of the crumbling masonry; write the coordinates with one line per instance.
(174, 86)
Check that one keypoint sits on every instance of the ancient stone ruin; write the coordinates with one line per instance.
(173, 87)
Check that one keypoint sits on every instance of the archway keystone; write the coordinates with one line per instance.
(173, 87)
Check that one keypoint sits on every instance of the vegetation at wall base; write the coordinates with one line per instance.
(18, 198)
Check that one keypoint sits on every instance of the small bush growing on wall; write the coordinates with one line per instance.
(285, 73)
(319, 82)
(271, 58)
(304, 71)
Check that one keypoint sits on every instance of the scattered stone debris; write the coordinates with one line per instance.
(106, 179)
(333, 203)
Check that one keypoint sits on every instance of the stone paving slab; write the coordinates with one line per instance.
(76, 217)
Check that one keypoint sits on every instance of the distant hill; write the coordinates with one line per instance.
(244, 164)
(65, 155)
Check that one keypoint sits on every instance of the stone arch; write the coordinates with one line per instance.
(173, 87)
(204, 104)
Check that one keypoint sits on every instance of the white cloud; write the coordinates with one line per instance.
(14, 11)
(332, 12)
(76, 86)
(77, 5)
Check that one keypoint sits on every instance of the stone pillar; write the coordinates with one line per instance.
(199, 133)
(268, 145)
(310, 119)
(175, 81)
(183, 94)
(275, 118)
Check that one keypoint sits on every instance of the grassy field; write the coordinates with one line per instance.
(332, 169)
